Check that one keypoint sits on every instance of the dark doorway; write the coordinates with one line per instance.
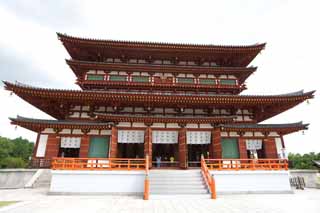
(168, 153)
(194, 154)
(130, 150)
(69, 152)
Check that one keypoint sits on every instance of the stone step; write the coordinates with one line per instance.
(177, 187)
(179, 196)
(173, 182)
(179, 191)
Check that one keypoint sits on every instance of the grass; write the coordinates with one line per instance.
(6, 203)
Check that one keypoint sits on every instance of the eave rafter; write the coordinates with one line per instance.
(281, 129)
(38, 125)
(102, 98)
(167, 119)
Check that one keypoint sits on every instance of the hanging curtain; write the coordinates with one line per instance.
(254, 144)
(198, 137)
(165, 137)
(130, 136)
(70, 142)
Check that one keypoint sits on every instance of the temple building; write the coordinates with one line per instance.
(172, 102)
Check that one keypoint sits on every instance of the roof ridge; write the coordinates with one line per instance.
(64, 35)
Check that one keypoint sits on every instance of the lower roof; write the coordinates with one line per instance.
(39, 125)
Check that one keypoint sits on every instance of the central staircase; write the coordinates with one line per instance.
(177, 184)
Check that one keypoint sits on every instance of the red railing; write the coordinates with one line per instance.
(208, 178)
(98, 164)
(247, 164)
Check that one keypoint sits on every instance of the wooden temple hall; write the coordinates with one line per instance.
(172, 102)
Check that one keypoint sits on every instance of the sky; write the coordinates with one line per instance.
(31, 53)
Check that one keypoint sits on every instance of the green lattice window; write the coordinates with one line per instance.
(185, 80)
(118, 78)
(99, 147)
(228, 82)
(94, 77)
(140, 79)
(230, 148)
(207, 81)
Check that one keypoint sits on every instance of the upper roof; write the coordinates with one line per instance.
(54, 101)
(99, 50)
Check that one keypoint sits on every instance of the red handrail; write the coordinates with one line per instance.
(98, 163)
(208, 178)
(247, 164)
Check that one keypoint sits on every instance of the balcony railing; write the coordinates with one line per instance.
(98, 164)
(247, 164)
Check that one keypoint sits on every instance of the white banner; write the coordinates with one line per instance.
(130, 136)
(198, 137)
(254, 144)
(42, 144)
(70, 142)
(165, 137)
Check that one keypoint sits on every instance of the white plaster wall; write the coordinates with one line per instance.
(126, 182)
(252, 181)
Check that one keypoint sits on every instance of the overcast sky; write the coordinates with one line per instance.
(31, 53)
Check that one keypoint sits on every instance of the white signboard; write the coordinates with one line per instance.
(70, 142)
(198, 137)
(130, 136)
(165, 137)
(42, 144)
(254, 144)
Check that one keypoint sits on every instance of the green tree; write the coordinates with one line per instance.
(15, 153)
(303, 161)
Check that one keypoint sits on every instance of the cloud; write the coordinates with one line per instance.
(58, 14)
(16, 67)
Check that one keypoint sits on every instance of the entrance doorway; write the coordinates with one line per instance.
(130, 150)
(165, 155)
(194, 154)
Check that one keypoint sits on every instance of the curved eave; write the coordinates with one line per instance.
(159, 45)
(98, 50)
(155, 119)
(38, 125)
(281, 129)
(81, 67)
(51, 100)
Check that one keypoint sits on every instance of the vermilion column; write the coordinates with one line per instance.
(84, 147)
(183, 148)
(114, 142)
(148, 144)
(53, 145)
(242, 148)
(270, 148)
(216, 143)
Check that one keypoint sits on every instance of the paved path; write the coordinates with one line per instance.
(36, 201)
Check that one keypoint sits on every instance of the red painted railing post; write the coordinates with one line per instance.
(146, 181)
(213, 188)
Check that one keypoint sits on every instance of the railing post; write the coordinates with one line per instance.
(146, 181)
(213, 188)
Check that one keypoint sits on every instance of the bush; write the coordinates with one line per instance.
(13, 162)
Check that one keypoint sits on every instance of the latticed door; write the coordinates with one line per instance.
(99, 147)
(230, 148)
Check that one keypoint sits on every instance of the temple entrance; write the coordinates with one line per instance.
(165, 149)
(165, 155)
(69, 147)
(198, 144)
(194, 154)
(130, 150)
